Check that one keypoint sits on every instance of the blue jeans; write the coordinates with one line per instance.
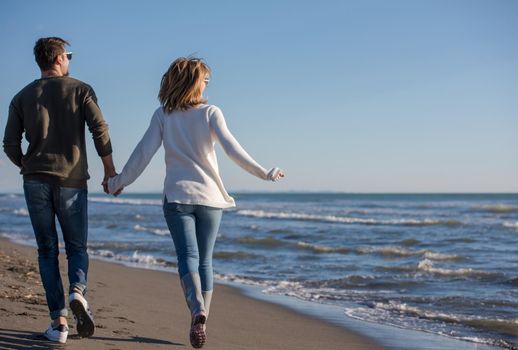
(45, 202)
(194, 229)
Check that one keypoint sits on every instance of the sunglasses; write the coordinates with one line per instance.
(68, 54)
(206, 80)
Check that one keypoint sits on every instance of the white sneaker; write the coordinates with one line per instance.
(58, 333)
(82, 314)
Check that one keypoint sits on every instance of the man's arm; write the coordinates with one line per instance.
(96, 124)
(13, 136)
(99, 130)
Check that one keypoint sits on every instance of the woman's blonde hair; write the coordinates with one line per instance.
(180, 87)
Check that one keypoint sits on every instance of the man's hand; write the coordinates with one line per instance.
(109, 171)
(105, 184)
(107, 175)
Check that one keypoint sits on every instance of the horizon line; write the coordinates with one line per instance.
(313, 192)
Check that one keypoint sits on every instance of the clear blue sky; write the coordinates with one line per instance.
(355, 96)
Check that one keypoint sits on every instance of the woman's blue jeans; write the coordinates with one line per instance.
(194, 229)
(45, 202)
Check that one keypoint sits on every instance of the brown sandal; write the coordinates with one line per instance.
(197, 334)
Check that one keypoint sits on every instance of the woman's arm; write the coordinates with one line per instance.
(140, 157)
(235, 152)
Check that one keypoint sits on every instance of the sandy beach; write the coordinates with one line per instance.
(144, 309)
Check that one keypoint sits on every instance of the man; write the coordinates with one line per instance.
(53, 111)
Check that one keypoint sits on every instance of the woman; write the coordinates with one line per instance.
(194, 195)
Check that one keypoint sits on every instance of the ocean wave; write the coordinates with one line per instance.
(143, 260)
(10, 195)
(110, 245)
(385, 251)
(304, 291)
(105, 253)
(321, 249)
(287, 288)
(495, 208)
(511, 225)
(426, 265)
(283, 287)
(467, 304)
(155, 231)
(234, 255)
(405, 252)
(344, 219)
(442, 257)
(18, 238)
(241, 279)
(109, 200)
(461, 240)
(144, 245)
(292, 289)
(509, 326)
(282, 231)
(402, 315)
(362, 281)
(410, 241)
(407, 269)
(21, 212)
(267, 241)
(389, 251)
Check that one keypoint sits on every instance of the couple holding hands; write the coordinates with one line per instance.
(53, 112)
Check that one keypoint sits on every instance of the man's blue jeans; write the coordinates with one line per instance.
(194, 229)
(45, 202)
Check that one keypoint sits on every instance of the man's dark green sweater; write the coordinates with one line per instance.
(53, 112)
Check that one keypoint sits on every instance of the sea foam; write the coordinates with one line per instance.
(511, 225)
(155, 231)
(427, 265)
(343, 219)
(383, 250)
(21, 212)
(109, 200)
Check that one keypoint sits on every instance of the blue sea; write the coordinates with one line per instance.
(445, 264)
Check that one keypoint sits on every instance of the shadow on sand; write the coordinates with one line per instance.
(18, 340)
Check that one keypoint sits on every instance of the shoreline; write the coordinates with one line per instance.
(144, 309)
(330, 319)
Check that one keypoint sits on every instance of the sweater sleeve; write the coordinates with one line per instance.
(232, 148)
(13, 136)
(96, 124)
(141, 156)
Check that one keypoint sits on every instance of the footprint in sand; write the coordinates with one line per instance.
(123, 331)
(38, 309)
(104, 309)
(124, 319)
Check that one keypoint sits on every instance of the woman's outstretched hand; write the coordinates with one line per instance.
(275, 174)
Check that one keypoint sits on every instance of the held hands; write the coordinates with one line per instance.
(119, 191)
(275, 174)
(109, 173)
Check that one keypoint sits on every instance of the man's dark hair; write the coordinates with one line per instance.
(47, 49)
